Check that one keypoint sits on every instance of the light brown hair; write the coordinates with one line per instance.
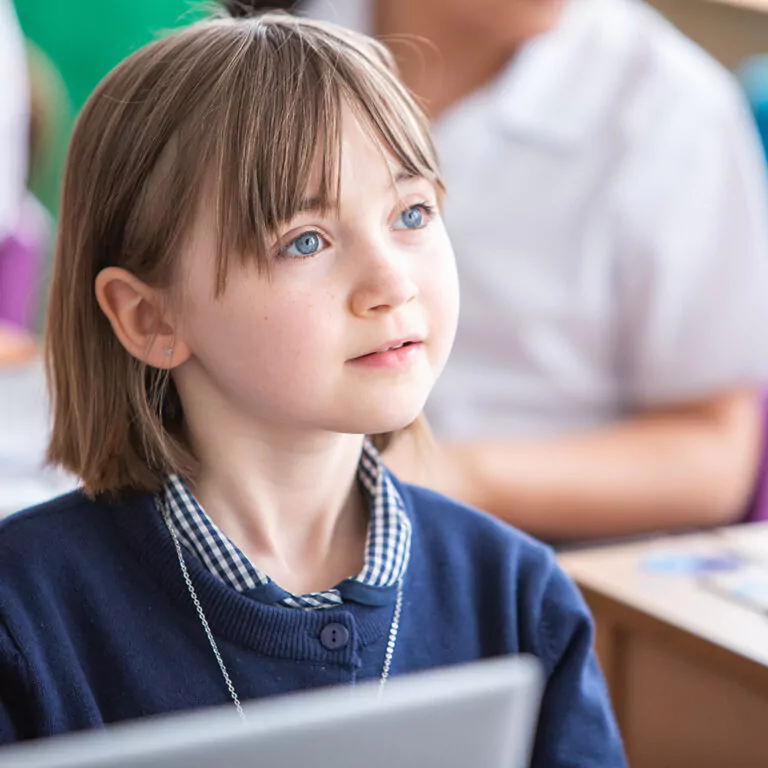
(236, 109)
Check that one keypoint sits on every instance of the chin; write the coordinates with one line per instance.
(376, 419)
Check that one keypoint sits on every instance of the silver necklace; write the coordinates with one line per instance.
(391, 642)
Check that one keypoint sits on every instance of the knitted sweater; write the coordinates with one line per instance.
(97, 625)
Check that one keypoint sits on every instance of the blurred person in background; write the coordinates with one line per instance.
(608, 207)
(14, 132)
(14, 119)
(23, 422)
(27, 116)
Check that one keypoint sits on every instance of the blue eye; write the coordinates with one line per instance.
(305, 245)
(415, 217)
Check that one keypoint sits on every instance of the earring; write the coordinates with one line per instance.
(169, 349)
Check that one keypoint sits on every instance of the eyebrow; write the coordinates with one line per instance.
(313, 204)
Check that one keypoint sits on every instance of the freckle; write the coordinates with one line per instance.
(266, 318)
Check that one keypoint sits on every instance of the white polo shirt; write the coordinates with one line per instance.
(14, 118)
(608, 207)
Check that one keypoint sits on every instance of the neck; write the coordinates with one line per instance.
(440, 60)
(290, 502)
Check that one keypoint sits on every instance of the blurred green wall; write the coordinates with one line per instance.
(78, 42)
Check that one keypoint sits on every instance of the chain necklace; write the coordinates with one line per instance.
(391, 642)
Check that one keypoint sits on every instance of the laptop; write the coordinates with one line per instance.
(479, 715)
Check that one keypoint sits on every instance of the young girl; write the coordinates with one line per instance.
(252, 275)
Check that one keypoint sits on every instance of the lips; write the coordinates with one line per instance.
(391, 346)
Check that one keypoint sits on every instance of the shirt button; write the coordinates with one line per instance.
(334, 636)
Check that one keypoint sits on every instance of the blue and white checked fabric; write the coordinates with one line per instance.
(388, 544)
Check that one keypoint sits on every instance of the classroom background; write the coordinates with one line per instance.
(681, 617)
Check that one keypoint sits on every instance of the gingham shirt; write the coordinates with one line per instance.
(387, 548)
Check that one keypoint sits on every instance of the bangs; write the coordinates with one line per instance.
(262, 159)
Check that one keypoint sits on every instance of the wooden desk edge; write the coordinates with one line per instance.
(614, 616)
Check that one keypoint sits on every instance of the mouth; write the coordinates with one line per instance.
(392, 354)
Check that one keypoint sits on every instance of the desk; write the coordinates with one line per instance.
(687, 668)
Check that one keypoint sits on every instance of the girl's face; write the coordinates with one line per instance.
(352, 326)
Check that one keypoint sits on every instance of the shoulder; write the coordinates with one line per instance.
(43, 519)
(55, 537)
(618, 70)
(475, 544)
(664, 67)
(470, 547)
(453, 524)
(645, 66)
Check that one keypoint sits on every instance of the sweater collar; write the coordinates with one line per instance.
(235, 616)
(387, 548)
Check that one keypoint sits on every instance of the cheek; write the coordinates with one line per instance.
(439, 285)
(260, 331)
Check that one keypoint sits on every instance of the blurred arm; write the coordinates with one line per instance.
(693, 465)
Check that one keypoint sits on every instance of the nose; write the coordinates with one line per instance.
(385, 282)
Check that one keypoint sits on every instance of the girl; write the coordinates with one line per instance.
(252, 275)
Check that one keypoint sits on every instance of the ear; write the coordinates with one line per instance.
(137, 315)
